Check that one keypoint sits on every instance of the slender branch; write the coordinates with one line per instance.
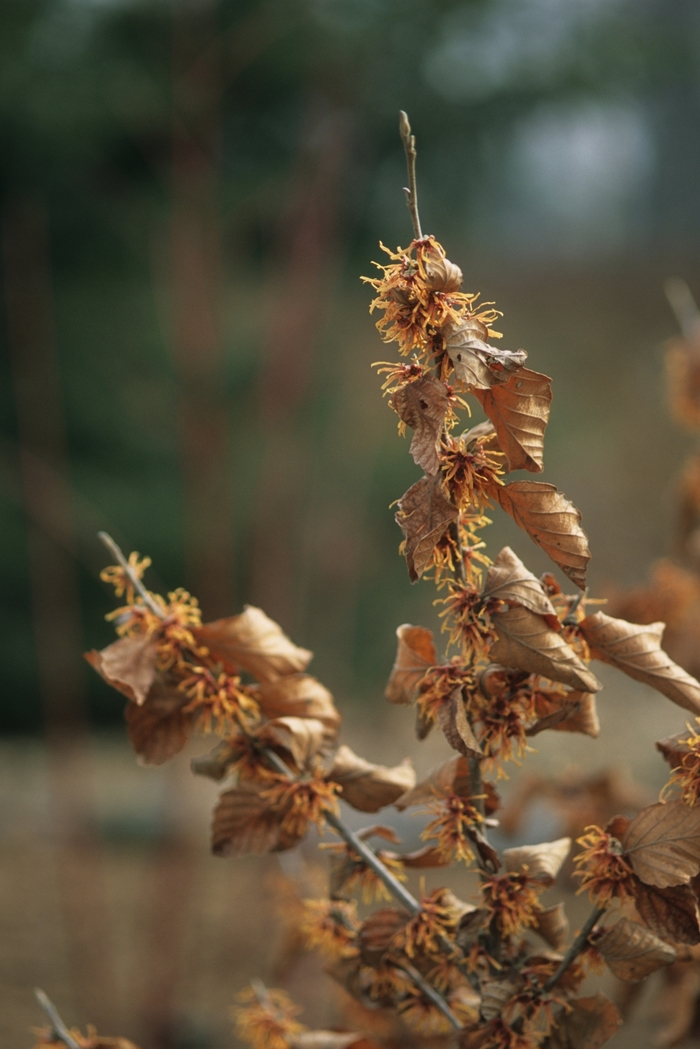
(429, 992)
(411, 191)
(570, 618)
(59, 1028)
(136, 582)
(681, 301)
(575, 948)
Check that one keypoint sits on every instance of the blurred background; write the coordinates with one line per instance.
(189, 192)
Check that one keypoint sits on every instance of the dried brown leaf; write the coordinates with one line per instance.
(453, 720)
(671, 913)
(637, 650)
(217, 762)
(675, 747)
(526, 642)
(244, 824)
(128, 665)
(424, 515)
(577, 714)
(663, 843)
(552, 925)
(587, 1024)
(301, 738)
(254, 642)
(543, 861)
(631, 951)
(415, 655)
(476, 363)
(159, 729)
(298, 695)
(495, 993)
(369, 787)
(377, 933)
(551, 521)
(519, 410)
(422, 405)
(428, 856)
(452, 777)
(509, 580)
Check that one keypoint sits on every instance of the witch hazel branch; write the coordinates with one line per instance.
(493, 972)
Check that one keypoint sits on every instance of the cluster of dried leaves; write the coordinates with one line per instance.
(518, 660)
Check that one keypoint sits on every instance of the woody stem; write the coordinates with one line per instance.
(430, 993)
(356, 844)
(411, 191)
(135, 581)
(575, 949)
(59, 1028)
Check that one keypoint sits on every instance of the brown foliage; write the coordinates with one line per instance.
(519, 410)
(424, 515)
(422, 405)
(587, 1024)
(672, 913)
(550, 520)
(476, 363)
(128, 664)
(526, 642)
(160, 728)
(637, 650)
(663, 844)
(245, 824)
(369, 787)
(415, 655)
(509, 580)
(252, 641)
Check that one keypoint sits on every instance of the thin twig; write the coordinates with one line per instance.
(357, 844)
(570, 618)
(681, 301)
(411, 191)
(575, 948)
(429, 992)
(59, 1029)
(136, 582)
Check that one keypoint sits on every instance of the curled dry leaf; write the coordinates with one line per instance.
(301, 738)
(663, 843)
(217, 763)
(424, 515)
(542, 861)
(159, 729)
(671, 913)
(378, 931)
(428, 856)
(422, 405)
(244, 824)
(128, 665)
(577, 713)
(254, 642)
(326, 1040)
(509, 580)
(452, 777)
(453, 720)
(298, 695)
(588, 1023)
(631, 951)
(369, 787)
(637, 650)
(496, 993)
(551, 521)
(675, 747)
(475, 362)
(552, 925)
(519, 410)
(471, 925)
(415, 654)
(525, 642)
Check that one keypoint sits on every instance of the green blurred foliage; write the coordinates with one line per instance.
(92, 94)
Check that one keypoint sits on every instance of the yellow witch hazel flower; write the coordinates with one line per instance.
(418, 294)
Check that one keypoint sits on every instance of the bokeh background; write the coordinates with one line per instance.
(189, 192)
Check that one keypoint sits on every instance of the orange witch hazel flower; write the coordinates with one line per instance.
(303, 802)
(603, 870)
(437, 917)
(686, 775)
(450, 829)
(331, 926)
(418, 294)
(513, 900)
(266, 1018)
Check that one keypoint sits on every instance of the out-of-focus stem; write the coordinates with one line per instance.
(430, 993)
(575, 948)
(59, 1028)
(136, 582)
